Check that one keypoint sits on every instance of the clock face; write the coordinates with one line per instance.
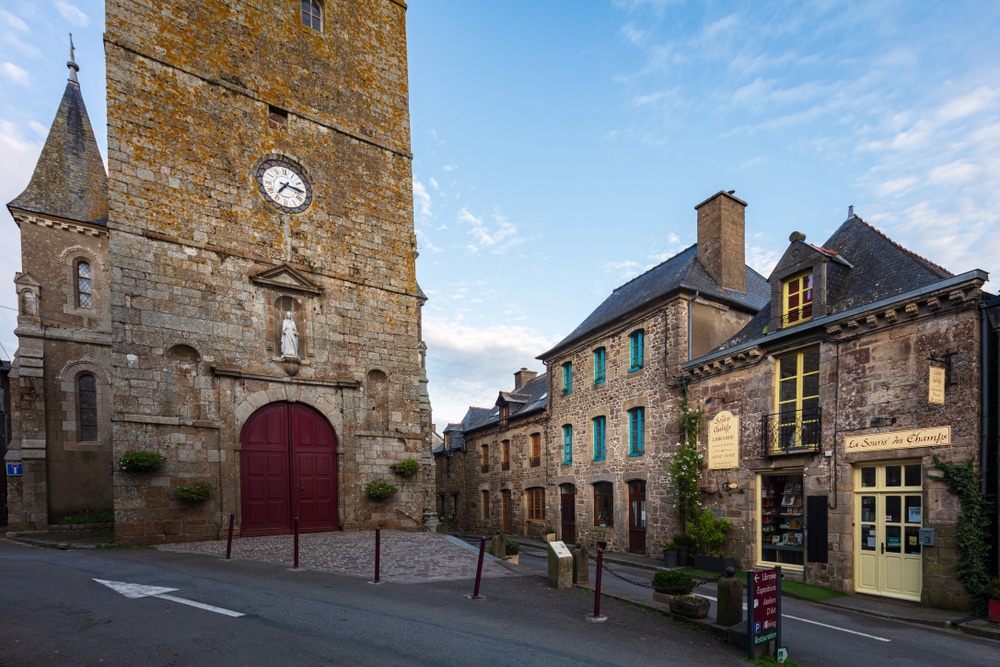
(284, 185)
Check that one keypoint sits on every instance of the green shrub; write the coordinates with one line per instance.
(140, 460)
(707, 533)
(407, 468)
(512, 548)
(194, 493)
(89, 516)
(673, 582)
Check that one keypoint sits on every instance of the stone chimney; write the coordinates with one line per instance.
(523, 377)
(721, 239)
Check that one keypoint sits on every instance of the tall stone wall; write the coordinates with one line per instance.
(203, 268)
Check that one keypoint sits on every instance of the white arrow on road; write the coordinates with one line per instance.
(133, 591)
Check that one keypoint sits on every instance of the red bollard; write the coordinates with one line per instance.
(296, 523)
(378, 552)
(597, 583)
(479, 568)
(229, 540)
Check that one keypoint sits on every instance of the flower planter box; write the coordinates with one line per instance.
(670, 558)
(713, 563)
(514, 560)
(689, 606)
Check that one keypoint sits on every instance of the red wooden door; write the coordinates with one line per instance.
(567, 496)
(637, 516)
(288, 468)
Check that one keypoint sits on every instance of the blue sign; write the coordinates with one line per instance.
(14, 469)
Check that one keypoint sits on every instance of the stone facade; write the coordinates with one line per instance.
(874, 382)
(202, 268)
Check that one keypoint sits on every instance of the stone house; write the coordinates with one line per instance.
(239, 292)
(450, 480)
(504, 456)
(824, 414)
(613, 388)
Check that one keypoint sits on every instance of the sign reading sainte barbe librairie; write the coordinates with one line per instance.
(920, 437)
(724, 442)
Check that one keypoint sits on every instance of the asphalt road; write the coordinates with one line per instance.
(817, 634)
(54, 612)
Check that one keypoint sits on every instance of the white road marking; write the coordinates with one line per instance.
(135, 591)
(806, 620)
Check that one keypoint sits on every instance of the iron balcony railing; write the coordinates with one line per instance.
(791, 432)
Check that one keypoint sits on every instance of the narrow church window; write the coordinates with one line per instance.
(312, 14)
(86, 395)
(84, 295)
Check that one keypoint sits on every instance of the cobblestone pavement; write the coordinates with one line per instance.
(406, 557)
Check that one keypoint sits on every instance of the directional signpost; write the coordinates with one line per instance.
(764, 605)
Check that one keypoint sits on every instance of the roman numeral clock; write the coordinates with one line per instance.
(284, 186)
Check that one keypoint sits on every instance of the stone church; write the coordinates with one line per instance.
(238, 292)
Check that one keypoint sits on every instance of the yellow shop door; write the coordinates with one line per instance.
(888, 516)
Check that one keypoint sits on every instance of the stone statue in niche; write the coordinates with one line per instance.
(289, 337)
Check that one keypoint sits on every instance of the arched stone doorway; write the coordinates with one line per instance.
(288, 468)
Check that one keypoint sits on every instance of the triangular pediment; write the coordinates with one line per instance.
(286, 278)
(26, 279)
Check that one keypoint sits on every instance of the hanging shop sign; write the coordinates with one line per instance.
(921, 437)
(724, 442)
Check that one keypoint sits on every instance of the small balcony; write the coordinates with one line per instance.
(791, 432)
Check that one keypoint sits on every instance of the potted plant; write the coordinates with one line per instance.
(668, 583)
(675, 587)
(669, 554)
(513, 550)
(140, 460)
(380, 489)
(550, 534)
(707, 534)
(993, 595)
(194, 493)
(407, 468)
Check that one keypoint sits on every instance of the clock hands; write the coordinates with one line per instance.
(290, 187)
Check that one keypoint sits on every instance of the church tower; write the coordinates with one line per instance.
(61, 375)
(266, 332)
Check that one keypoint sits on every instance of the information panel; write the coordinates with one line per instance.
(764, 603)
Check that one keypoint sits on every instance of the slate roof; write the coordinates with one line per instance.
(69, 179)
(877, 268)
(682, 271)
(530, 398)
(456, 439)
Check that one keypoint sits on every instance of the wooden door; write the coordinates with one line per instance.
(288, 468)
(567, 504)
(637, 516)
(507, 525)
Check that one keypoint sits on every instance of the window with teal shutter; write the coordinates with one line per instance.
(636, 431)
(567, 377)
(599, 365)
(599, 424)
(567, 444)
(635, 350)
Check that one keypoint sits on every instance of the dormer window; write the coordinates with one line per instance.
(797, 299)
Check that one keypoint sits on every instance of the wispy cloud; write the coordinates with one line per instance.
(15, 73)
(14, 22)
(498, 235)
(72, 13)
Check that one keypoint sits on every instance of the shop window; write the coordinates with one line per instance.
(782, 519)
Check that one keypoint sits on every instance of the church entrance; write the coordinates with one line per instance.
(288, 468)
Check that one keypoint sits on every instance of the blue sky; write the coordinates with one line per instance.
(560, 147)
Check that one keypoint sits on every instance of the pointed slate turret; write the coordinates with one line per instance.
(69, 180)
